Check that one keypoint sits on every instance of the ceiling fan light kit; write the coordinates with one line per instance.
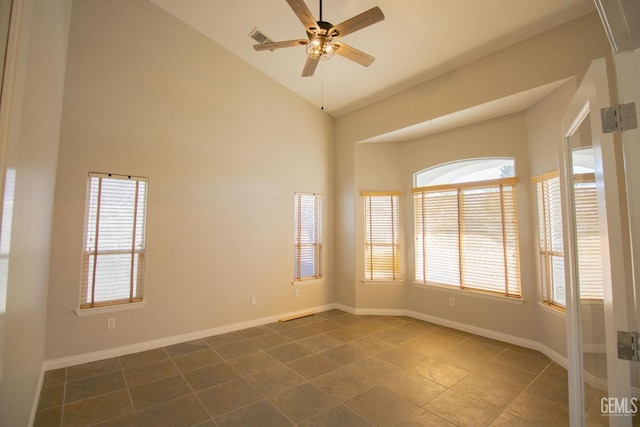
(322, 36)
(321, 46)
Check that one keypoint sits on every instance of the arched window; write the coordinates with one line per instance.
(466, 227)
(483, 169)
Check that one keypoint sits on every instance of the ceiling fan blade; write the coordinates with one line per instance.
(278, 45)
(309, 67)
(358, 22)
(303, 13)
(353, 54)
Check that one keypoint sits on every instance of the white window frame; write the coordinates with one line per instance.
(123, 235)
(446, 247)
(382, 249)
(550, 239)
(308, 229)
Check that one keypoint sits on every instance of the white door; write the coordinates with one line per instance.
(598, 259)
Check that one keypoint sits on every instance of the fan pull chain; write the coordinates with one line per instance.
(321, 87)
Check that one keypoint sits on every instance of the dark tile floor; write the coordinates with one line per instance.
(329, 369)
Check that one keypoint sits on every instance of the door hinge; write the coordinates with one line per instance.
(619, 118)
(628, 348)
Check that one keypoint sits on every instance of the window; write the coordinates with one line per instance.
(551, 244)
(114, 240)
(472, 170)
(466, 234)
(382, 240)
(307, 236)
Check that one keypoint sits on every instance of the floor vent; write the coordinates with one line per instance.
(297, 316)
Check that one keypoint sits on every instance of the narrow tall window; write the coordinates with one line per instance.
(466, 231)
(551, 244)
(114, 240)
(307, 236)
(382, 240)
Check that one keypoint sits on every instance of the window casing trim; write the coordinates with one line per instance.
(110, 308)
(137, 250)
(398, 282)
(547, 297)
(387, 229)
(475, 293)
(318, 238)
(553, 309)
(512, 286)
(310, 281)
(512, 181)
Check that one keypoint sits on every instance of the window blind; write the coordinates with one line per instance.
(114, 240)
(588, 237)
(551, 243)
(467, 236)
(307, 236)
(382, 240)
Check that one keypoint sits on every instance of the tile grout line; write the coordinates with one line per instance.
(64, 397)
(366, 332)
(189, 384)
(264, 398)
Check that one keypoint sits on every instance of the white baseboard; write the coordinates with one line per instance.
(561, 360)
(487, 333)
(163, 342)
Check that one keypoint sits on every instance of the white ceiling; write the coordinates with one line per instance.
(418, 40)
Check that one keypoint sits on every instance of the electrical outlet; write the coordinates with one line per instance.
(297, 293)
(254, 301)
(451, 301)
(111, 323)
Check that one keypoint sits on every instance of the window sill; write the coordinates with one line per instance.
(383, 282)
(80, 312)
(471, 293)
(591, 302)
(558, 311)
(308, 282)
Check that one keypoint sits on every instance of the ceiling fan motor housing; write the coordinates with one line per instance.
(321, 30)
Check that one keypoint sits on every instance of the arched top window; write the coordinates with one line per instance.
(466, 226)
(470, 170)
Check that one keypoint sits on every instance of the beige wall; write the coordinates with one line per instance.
(504, 137)
(562, 52)
(544, 138)
(378, 168)
(30, 154)
(141, 102)
(147, 95)
(531, 137)
(224, 148)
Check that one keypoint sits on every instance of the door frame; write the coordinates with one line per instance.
(628, 79)
(591, 96)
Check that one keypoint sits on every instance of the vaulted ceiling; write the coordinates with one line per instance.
(418, 39)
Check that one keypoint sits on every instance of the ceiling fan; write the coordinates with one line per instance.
(322, 37)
